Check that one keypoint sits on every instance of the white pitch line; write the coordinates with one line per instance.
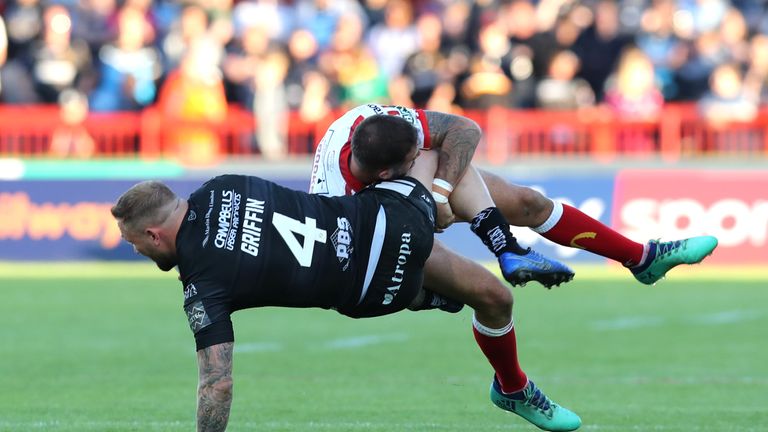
(713, 318)
(333, 344)
(726, 317)
(363, 341)
(625, 323)
(252, 347)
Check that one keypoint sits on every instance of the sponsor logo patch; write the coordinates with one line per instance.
(342, 241)
(189, 291)
(197, 317)
(402, 259)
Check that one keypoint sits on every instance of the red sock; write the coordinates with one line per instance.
(571, 227)
(500, 347)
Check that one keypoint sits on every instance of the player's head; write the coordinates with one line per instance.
(143, 215)
(385, 145)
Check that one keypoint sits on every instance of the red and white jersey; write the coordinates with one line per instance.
(331, 175)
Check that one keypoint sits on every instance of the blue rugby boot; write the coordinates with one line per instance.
(531, 404)
(663, 256)
(520, 269)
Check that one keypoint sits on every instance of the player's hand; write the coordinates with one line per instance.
(445, 217)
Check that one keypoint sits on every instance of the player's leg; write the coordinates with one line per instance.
(568, 226)
(457, 277)
(471, 201)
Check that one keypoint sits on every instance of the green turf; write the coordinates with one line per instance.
(115, 354)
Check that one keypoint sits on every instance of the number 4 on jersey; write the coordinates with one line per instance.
(288, 228)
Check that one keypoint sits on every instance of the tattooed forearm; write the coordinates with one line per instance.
(456, 138)
(214, 391)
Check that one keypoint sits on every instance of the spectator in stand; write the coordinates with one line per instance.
(129, 67)
(394, 40)
(599, 46)
(93, 22)
(23, 25)
(303, 52)
(520, 21)
(191, 24)
(270, 105)
(425, 69)
(457, 36)
(727, 100)
(756, 77)
(71, 139)
(351, 67)
(632, 93)
(150, 21)
(488, 84)
(706, 54)
(194, 92)
(276, 19)
(308, 90)
(549, 40)
(562, 89)
(321, 18)
(659, 41)
(316, 101)
(242, 61)
(734, 36)
(59, 63)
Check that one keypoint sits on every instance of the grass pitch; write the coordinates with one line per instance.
(107, 348)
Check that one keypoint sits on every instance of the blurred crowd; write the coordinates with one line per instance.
(191, 58)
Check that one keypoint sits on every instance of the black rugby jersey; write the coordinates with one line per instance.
(247, 242)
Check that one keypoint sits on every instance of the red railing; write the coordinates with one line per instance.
(679, 133)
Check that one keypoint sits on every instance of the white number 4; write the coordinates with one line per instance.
(288, 228)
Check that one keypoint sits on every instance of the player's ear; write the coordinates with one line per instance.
(385, 174)
(153, 234)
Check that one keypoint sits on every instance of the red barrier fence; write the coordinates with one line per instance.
(679, 133)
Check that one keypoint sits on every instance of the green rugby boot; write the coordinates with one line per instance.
(531, 404)
(663, 256)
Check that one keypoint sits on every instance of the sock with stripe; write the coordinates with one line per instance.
(500, 348)
(568, 226)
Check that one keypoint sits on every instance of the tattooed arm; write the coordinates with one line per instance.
(456, 138)
(214, 391)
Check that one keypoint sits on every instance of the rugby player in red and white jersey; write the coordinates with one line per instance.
(333, 174)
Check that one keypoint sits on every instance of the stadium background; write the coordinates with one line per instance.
(648, 115)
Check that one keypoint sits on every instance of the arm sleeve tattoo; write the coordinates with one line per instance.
(456, 138)
(214, 391)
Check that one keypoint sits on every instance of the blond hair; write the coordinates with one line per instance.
(144, 204)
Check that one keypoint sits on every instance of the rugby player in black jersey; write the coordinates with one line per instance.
(243, 242)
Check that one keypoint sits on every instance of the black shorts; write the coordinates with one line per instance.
(401, 244)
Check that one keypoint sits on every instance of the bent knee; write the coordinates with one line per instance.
(495, 300)
(535, 203)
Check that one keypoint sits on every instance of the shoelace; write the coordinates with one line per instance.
(667, 247)
(539, 400)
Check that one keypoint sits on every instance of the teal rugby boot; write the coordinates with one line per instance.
(531, 404)
(663, 256)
